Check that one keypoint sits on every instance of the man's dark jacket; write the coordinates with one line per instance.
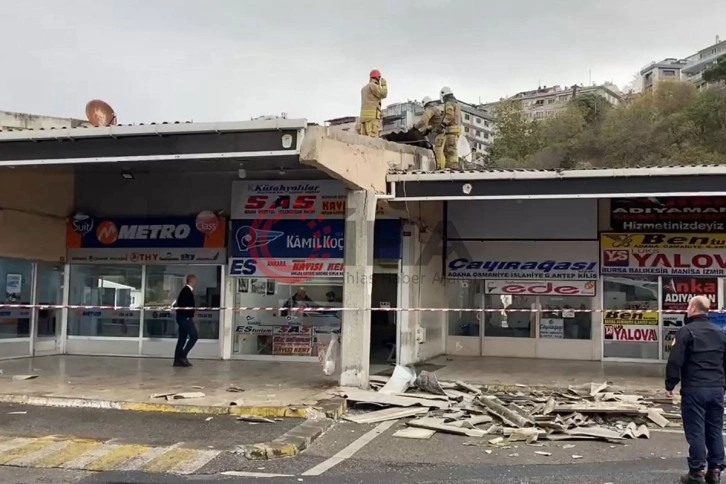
(698, 356)
(185, 299)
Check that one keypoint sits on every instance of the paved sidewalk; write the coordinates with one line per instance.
(551, 373)
(134, 380)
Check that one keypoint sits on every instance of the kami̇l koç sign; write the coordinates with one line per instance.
(520, 260)
(156, 240)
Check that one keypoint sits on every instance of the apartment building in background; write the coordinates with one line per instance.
(477, 123)
(689, 69)
(547, 101)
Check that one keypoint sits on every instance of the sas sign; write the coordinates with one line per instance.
(549, 288)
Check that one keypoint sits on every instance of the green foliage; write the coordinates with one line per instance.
(716, 73)
(673, 125)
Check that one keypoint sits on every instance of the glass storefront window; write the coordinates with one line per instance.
(288, 331)
(16, 279)
(557, 322)
(163, 284)
(50, 292)
(105, 285)
(630, 335)
(465, 295)
(518, 324)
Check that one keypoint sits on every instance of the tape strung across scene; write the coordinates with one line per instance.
(75, 307)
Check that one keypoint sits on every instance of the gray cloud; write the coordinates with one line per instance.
(229, 60)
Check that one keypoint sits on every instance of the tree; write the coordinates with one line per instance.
(593, 107)
(716, 73)
(635, 86)
(516, 136)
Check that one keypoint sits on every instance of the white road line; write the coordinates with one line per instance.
(28, 460)
(138, 461)
(253, 474)
(88, 457)
(13, 444)
(349, 451)
(192, 465)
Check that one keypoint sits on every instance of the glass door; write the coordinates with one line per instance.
(49, 292)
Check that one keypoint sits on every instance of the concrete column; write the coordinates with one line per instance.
(356, 326)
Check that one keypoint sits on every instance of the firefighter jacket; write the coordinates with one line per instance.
(430, 119)
(452, 117)
(370, 100)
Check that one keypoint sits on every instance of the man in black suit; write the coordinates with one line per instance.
(185, 321)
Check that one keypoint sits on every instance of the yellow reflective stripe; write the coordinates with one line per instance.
(72, 451)
(117, 456)
(169, 460)
(24, 450)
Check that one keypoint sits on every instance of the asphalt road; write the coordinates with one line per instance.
(382, 458)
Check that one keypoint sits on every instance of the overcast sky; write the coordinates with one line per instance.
(214, 60)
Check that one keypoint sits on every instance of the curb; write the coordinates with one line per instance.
(289, 444)
(332, 408)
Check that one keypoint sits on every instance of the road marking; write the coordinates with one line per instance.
(24, 450)
(116, 457)
(40, 454)
(143, 459)
(168, 460)
(349, 451)
(74, 449)
(87, 457)
(202, 458)
(12, 443)
(254, 474)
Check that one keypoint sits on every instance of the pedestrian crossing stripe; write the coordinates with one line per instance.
(97, 455)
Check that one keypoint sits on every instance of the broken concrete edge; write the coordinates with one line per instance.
(290, 443)
(513, 388)
(331, 408)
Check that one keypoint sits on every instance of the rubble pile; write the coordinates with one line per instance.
(587, 412)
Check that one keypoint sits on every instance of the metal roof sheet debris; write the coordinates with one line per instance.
(534, 416)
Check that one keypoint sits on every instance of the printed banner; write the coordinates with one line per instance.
(190, 240)
(678, 291)
(553, 328)
(663, 254)
(548, 288)
(627, 326)
(668, 214)
(298, 200)
(522, 260)
(14, 313)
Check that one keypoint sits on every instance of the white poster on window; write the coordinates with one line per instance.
(13, 287)
(552, 328)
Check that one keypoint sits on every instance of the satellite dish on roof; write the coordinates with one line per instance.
(99, 113)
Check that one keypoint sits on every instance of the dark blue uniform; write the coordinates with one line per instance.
(698, 361)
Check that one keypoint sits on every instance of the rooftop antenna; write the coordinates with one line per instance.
(100, 113)
(589, 72)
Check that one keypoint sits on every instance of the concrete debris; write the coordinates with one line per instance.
(501, 418)
(414, 433)
(24, 377)
(546, 454)
(254, 419)
(185, 395)
(401, 380)
(234, 389)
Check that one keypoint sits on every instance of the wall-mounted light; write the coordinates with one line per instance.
(241, 172)
(127, 175)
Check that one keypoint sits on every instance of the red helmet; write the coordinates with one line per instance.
(375, 74)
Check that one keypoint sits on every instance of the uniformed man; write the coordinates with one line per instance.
(371, 97)
(452, 127)
(698, 362)
(431, 120)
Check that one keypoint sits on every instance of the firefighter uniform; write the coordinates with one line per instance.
(452, 128)
(431, 119)
(370, 105)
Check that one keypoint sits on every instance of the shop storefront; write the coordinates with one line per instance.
(286, 257)
(536, 299)
(127, 272)
(26, 331)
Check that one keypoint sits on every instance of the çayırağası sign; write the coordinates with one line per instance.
(520, 260)
(159, 240)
